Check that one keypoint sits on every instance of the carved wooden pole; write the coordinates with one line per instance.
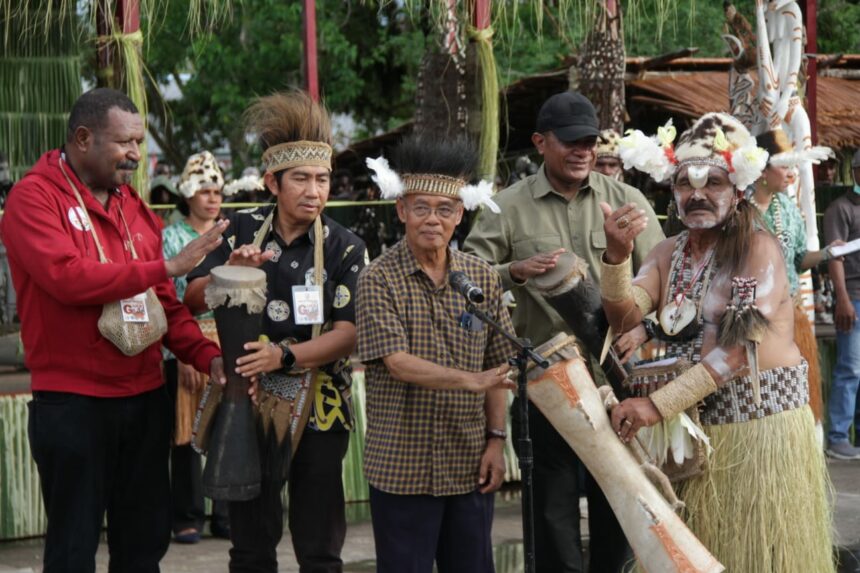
(310, 52)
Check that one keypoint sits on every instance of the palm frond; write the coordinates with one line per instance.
(40, 79)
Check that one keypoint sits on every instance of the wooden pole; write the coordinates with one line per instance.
(126, 20)
(104, 53)
(128, 15)
(812, 68)
(310, 53)
(481, 14)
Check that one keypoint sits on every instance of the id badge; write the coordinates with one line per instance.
(134, 308)
(308, 304)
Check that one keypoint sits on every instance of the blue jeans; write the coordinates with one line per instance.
(842, 404)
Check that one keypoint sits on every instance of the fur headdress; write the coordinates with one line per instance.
(201, 170)
(607, 145)
(292, 129)
(715, 140)
(432, 166)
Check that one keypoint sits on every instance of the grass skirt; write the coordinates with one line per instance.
(804, 338)
(763, 504)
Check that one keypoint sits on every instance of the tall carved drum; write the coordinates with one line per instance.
(237, 295)
(565, 394)
(572, 294)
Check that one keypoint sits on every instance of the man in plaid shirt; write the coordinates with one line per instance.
(436, 375)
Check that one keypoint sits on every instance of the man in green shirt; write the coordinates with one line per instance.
(543, 215)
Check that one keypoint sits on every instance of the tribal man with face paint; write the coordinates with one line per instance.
(721, 294)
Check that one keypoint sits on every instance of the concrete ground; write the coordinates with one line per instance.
(211, 554)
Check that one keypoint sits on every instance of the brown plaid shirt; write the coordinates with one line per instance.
(421, 441)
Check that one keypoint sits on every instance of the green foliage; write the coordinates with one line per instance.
(370, 52)
(368, 61)
(39, 82)
(838, 26)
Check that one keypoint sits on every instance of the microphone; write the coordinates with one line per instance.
(464, 285)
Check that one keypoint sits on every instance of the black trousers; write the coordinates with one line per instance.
(186, 470)
(557, 487)
(411, 531)
(97, 454)
(317, 517)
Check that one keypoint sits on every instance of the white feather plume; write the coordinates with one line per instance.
(673, 438)
(246, 183)
(644, 153)
(390, 185)
(814, 155)
(474, 196)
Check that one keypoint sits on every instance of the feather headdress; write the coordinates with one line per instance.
(292, 129)
(434, 166)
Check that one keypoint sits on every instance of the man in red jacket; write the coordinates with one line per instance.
(100, 421)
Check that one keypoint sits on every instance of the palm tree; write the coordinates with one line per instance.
(44, 45)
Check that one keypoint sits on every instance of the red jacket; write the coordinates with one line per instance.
(62, 286)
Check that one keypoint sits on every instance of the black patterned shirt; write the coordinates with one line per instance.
(293, 264)
(422, 441)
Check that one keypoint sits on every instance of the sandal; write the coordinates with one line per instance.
(188, 536)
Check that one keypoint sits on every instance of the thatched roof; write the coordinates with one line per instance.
(694, 94)
(683, 88)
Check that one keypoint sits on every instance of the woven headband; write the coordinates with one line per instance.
(297, 154)
(393, 186)
(433, 184)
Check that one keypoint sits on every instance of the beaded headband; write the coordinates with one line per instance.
(433, 184)
(295, 154)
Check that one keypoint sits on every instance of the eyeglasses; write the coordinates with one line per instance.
(443, 211)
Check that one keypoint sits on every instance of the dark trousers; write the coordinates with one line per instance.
(317, 517)
(186, 486)
(411, 531)
(557, 487)
(97, 454)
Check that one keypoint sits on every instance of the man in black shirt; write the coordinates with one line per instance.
(283, 240)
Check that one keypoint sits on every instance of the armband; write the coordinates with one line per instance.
(684, 391)
(616, 281)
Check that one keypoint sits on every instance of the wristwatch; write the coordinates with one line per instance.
(288, 360)
(650, 328)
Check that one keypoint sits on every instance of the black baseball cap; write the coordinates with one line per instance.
(569, 115)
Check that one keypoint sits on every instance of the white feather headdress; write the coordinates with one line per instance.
(246, 183)
(653, 155)
(814, 155)
(392, 186)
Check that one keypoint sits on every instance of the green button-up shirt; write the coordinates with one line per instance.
(536, 219)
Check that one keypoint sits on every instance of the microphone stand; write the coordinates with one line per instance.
(525, 455)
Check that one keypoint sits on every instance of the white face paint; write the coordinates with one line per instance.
(718, 360)
(704, 195)
(644, 271)
(715, 302)
(766, 286)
